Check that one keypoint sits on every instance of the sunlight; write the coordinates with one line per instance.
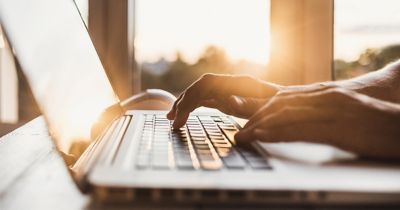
(240, 27)
(376, 25)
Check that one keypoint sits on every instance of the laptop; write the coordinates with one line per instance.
(138, 158)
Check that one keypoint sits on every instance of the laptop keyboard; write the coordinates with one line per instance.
(205, 142)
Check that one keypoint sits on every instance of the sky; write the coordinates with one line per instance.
(166, 26)
(242, 28)
(361, 24)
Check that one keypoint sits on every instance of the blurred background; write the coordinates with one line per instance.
(168, 44)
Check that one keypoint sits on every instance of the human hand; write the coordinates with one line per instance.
(240, 96)
(348, 120)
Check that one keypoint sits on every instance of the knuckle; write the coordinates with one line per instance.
(328, 86)
(207, 77)
(202, 82)
(282, 93)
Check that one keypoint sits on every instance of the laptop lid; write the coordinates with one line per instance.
(52, 45)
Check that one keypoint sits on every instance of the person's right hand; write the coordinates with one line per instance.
(240, 96)
(339, 117)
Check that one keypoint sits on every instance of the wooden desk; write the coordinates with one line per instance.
(32, 173)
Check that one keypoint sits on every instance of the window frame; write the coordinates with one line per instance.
(8, 84)
(301, 42)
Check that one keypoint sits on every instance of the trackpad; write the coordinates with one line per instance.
(307, 152)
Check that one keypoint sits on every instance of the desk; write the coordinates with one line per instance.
(32, 173)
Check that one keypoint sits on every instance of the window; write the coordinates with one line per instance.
(173, 42)
(367, 36)
(8, 84)
(83, 6)
(177, 40)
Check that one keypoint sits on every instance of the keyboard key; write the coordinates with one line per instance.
(184, 164)
(210, 164)
(160, 165)
(234, 162)
(202, 138)
(204, 142)
(219, 141)
(260, 164)
(142, 162)
(222, 145)
(203, 146)
(230, 135)
(228, 127)
(197, 134)
(160, 162)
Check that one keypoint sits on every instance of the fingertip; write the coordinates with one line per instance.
(180, 120)
(175, 125)
(263, 135)
(242, 136)
(171, 115)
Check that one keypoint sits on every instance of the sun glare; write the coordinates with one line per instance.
(240, 27)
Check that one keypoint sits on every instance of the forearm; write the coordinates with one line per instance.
(382, 84)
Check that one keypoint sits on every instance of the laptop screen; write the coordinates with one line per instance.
(54, 50)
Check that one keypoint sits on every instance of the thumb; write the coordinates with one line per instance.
(244, 107)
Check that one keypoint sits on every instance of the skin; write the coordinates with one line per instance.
(361, 115)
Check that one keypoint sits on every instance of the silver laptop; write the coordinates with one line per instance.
(137, 157)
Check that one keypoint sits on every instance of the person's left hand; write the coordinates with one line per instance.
(346, 119)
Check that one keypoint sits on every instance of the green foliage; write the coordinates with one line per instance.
(369, 60)
(180, 74)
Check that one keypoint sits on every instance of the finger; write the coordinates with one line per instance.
(297, 96)
(212, 86)
(287, 117)
(224, 104)
(180, 118)
(215, 104)
(172, 112)
(234, 105)
(312, 99)
(272, 106)
(191, 99)
(239, 85)
(244, 107)
(229, 105)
